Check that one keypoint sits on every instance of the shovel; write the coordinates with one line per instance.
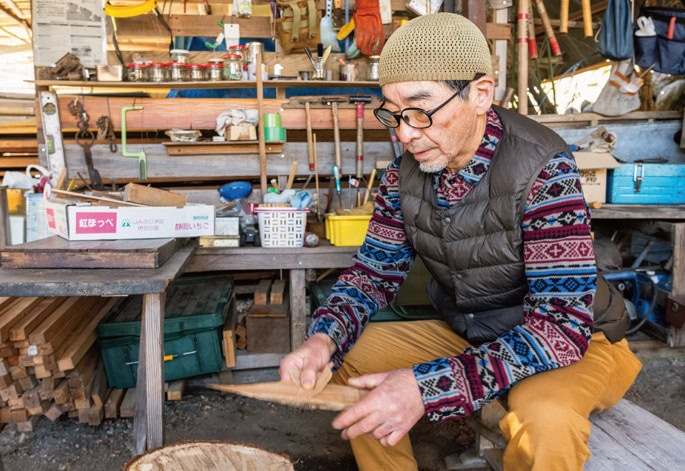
(327, 31)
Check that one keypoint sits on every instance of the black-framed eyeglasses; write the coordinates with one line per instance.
(415, 117)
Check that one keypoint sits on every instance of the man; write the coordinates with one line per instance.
(492, 203)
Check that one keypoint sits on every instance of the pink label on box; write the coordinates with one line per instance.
(96, 223)
(51, 218)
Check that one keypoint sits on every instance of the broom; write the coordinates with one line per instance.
(328, 34)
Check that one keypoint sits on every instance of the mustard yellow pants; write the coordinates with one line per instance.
(546, 426)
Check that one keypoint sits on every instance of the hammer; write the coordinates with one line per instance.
(360, 100)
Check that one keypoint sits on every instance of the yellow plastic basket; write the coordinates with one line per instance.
(347, 230)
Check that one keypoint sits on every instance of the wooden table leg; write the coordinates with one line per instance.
(148, 421)
(298, 308)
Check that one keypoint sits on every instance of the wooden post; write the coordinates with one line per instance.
(298, 308)
(260, 125)
(522, 55)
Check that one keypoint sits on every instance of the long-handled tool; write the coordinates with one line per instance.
(522, 55)
(308, 118)
(360, 101)
(337, 168)
(551, 37)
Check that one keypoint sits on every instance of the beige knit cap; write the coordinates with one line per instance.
(441, 46)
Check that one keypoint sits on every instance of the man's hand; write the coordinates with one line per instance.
(304, 364)
(388, 412)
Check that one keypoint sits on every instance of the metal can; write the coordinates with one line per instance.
(233, 67)
(136, 72)
(373, 67)
(254, 48)
(196, 72)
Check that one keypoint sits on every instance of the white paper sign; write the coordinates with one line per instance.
(61, 26)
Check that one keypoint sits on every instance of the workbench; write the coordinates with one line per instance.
(149, 282)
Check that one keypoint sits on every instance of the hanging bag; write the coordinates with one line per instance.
(660, 39)
(616, 31)
(298, 26)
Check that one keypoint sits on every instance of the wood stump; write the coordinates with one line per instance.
(210, 456)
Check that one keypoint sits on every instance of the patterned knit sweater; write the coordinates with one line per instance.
(560, 269)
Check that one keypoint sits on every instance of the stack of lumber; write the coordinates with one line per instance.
(49, 362)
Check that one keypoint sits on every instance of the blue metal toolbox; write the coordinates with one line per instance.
(646, 183)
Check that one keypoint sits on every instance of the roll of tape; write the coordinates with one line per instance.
(275, 134)
(272, 120)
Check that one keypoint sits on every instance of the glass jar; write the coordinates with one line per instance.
(136, 72)
(156, 72)
(215, 71)
(373, 67)
(233, 67)
(195, 72)
(177, 72)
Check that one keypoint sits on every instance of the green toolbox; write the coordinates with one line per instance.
(195, 313)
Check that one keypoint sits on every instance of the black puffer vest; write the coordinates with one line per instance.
(474, 250)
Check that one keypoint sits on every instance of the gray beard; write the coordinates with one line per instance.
(432, 168)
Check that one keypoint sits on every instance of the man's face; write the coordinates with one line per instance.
(456, 131)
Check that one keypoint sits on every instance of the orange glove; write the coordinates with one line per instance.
(368, 27)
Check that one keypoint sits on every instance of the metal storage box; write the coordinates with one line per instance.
(647, 183)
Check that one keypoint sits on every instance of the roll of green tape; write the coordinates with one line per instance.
(272, 120)
(274, 134)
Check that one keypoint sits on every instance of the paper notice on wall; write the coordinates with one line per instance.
(61, 26)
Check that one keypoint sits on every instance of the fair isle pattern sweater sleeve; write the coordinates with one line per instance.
(561, 273)
(379, 269)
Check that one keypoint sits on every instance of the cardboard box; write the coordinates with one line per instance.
(85, 222)
(593, 174)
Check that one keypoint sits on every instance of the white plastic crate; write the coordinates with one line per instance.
(281, 227)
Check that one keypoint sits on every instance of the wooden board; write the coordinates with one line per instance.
(209, 148)
(333, 397)
(268, 334)
(629, 437)
(56, 252)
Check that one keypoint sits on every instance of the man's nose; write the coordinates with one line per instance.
(406, 133)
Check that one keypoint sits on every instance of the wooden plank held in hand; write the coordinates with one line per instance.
(334, 397)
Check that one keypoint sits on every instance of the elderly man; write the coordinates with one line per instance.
(492, 203)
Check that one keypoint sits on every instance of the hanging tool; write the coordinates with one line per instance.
(532, 43)
(551, 37)
(360, 101)
(372, 177)
(522, 55)
(326, 29)
(316, 180)
(337, 168)
(260, 125)
(563, 16)
(52, 134)
(308, 117)
(106, 132)
(587, 18)
(140, 155)
(85, 138)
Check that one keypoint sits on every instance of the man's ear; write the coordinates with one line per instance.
(482, 94)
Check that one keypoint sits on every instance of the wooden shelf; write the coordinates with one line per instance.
(206, 84)
(640, 211)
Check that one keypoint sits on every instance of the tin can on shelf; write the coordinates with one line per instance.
(233, 67)
(196, 72)
(252, 49)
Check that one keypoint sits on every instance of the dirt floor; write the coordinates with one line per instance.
(306, 436)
